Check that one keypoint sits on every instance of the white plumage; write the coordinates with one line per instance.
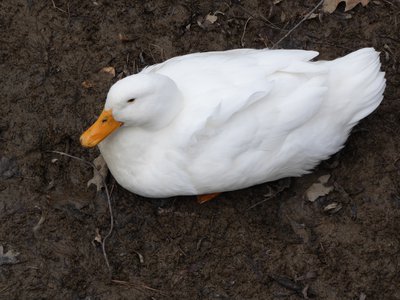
(220, 121)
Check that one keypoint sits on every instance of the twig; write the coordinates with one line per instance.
(266, 199)
(298, 24)
(244, 31)
(269, 23)
(56, 7)
(103, 242)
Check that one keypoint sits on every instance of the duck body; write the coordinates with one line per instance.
(232, 119)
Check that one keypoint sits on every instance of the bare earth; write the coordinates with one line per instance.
(282, 248)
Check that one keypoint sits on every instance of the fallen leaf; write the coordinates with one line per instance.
(319, 189)
(330, 6)
(8, 258)
(211, 18)
(100, 175)
(87, 84)
(108, 70)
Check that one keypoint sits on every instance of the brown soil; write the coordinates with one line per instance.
(283, 248)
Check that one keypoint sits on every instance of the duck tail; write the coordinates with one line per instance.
(358, 83)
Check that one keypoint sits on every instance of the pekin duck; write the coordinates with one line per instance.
(205, 123)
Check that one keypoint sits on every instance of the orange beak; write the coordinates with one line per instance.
(102, 128)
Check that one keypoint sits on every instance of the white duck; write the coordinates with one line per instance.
(205, 123)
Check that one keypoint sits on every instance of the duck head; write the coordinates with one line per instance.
(150, 101)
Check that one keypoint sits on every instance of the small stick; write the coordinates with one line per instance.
(298, 24)
(103, 243)
(269, 23)
(54, 5)
(262, 201)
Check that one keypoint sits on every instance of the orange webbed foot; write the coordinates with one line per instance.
(206, 197)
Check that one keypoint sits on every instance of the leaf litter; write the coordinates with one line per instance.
(330, 6)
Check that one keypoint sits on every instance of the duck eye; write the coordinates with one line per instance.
(131, 100)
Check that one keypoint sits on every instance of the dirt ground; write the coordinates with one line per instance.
(265, 242)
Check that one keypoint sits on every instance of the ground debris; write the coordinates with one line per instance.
(302, 290)
(97, 237)
(330, 6)
(211, 18)
(333, 207)
(140, 256)
(98, 177)
(123, 38)
(8, 168)
(108, 70)
(206, 21)
(287, 282)
(87, 84)
(8, 258)
(39, 223)
(319, 189)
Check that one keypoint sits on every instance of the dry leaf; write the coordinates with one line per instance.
(108, 70)
(87, 84)
(211, 18)
(98, 177)
(331, 5)
(8, 258)
(319, 189)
